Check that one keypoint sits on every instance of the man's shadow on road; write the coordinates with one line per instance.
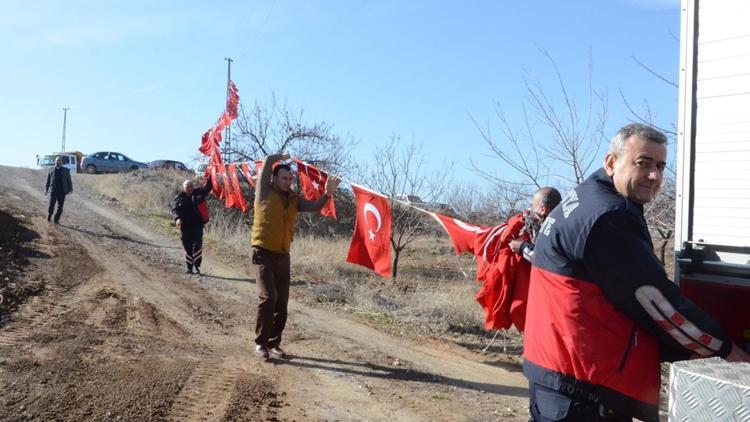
(116, 237)
(401, 374)
(246, 279)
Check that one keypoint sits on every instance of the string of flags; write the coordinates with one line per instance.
(370, 246)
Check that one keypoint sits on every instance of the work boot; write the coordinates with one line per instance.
(198, 270)
(49, 217)
(261, 351)
(189, 270)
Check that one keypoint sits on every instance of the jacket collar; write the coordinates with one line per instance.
(602, 179)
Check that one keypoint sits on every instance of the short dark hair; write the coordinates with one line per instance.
(549, 197)
(280, 167)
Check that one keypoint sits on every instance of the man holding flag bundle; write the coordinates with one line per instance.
(190, 214)
(276, 207)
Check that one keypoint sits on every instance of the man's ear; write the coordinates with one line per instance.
(609, 164)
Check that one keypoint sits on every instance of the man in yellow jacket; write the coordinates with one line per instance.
(276, 207)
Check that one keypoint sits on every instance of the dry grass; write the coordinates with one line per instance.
(148, 191)
(433, 294)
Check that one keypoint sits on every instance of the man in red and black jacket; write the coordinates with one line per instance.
(190, 213)
(602, 313)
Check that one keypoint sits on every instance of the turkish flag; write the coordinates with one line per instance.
(215, 182)
(313, 181)
(371, 241)
(228, 192)
(463, 236)
(250, 177)
(487, 247)
(239, 199)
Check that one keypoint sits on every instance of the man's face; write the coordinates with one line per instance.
(58, 162)
(283, 180)
(637, 173)
(188, 188)
(539, 210)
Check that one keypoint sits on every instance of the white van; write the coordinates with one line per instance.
(47, 161)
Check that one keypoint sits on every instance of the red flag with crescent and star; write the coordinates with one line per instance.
(463, 235)
(371, 241)
(215, 182)
(313, 181)
(239, 199)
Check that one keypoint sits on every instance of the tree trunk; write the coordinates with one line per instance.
(397, 252)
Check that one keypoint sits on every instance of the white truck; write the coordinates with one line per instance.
(71, 160)
(712, 237)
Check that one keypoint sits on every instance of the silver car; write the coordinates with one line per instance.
(109, 162)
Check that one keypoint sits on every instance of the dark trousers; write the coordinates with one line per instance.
(547, 405)
(192, 241)
(272, 278)
(60, 199)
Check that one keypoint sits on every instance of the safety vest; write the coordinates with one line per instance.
(274, 219)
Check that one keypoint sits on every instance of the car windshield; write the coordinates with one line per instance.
(47, 160)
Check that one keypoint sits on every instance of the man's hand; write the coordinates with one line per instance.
(738, 355)
(515, 245)
(332, 184)
(178, 223)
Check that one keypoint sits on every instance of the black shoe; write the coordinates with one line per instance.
(57, 222)
(197, 270)
(189, 271)
(49, 217)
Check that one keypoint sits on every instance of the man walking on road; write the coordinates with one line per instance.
(58, 185)
(190, 213)
(276, 207)
(602, 313)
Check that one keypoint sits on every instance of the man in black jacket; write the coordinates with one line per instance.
(190, 213)
(58, 184)
(602, 313)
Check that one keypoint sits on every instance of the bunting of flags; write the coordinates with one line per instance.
(503, 273)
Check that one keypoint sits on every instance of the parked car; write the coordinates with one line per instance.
(201, 169)
(110, 162)
(168, 165)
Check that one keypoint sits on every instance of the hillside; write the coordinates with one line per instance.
(100, 323)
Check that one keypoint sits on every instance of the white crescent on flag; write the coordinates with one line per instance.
(496, 231)
(371, 208)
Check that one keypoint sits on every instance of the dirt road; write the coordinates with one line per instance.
(119, 333)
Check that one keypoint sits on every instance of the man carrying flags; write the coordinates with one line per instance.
(276, 207)
(190, 213)
(504, 256)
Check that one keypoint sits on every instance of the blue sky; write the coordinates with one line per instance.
(147, 78)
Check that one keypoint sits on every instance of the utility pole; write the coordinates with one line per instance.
(65, 120)
(228, 130)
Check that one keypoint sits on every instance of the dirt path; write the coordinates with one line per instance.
(120, 333)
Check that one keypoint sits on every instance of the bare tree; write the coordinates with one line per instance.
(659, 213)
(485, 207)
(272, 127)
(400, 169)
(574, 135)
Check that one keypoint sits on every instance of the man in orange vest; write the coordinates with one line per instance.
(276, 207)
